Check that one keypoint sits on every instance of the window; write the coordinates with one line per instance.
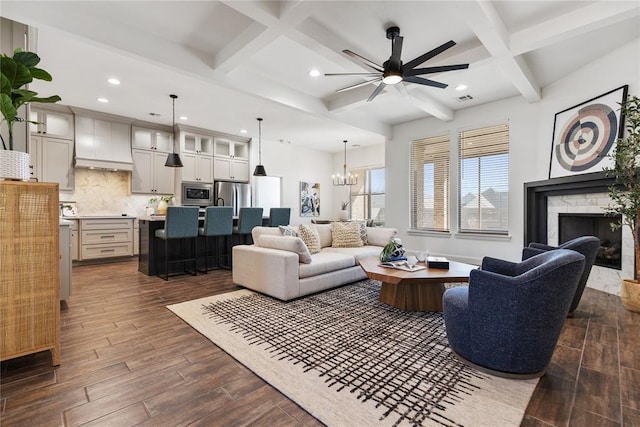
(483, 200)
(367, 197)
(430, 183)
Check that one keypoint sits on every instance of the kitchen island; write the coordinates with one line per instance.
(151, 252)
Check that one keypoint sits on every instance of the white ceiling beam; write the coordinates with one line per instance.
(429, 105)
(580, 21)
(491, 31)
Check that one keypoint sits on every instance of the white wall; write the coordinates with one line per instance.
(531, 127)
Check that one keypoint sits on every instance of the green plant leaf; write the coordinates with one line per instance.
(48, 100)
(22, 96)
(8, 109)
(8, 67)
(28, 59)
(40, 74)
(5, 84)
(22, 77)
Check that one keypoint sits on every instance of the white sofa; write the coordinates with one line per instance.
(273, 264)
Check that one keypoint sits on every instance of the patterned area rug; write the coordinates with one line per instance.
(350, 360)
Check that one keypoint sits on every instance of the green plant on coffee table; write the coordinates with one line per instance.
(392, 250)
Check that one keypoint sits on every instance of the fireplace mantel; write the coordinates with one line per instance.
(536, 194)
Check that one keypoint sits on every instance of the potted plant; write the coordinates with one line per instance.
(17, 72)
(625, 192)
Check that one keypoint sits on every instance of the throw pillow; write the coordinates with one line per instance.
(345, 235)
(288, 230)
(310, 237)
(363, 232)
(289, 244)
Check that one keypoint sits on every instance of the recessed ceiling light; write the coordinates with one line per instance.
(314, 72)
(461, 87)
(183, 118)
(243, 131)
(103, 100)
(113, 81)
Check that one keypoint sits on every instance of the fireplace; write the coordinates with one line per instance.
(572, 225)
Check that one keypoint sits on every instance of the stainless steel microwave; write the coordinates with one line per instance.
(197, 194)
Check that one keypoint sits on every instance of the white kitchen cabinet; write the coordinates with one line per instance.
(103, 140)
(150, 174)
(151, 139)
(106, 238)
(231, 160)
(51, 123)
(66, 250)
(136, 237)
(75, 240)
(197, 168)
(196, 144)
(52, 160)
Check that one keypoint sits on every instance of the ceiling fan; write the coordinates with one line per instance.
(393, 71)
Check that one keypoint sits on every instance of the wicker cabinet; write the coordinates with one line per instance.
(29, 269)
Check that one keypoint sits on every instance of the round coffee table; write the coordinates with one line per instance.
(415, 290)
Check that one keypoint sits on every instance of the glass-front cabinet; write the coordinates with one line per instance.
(151, 139)
(197, 144)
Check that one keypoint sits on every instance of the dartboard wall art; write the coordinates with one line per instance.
(585, 134)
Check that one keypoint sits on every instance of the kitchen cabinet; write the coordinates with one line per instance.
(136, 236)
(52, 160)
(197, 168)
(151, 139)
(231, 160)
(30, 269)
(196, 144)
(106, 238)
(104, 141)
(150, 174)
(75, 240)
(65, 259)
(51, 123)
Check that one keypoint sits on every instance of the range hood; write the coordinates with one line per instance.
(102, 144)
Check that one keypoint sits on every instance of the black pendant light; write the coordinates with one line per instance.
(173, 159)
(259, 170)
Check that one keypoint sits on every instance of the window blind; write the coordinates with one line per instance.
(430, 183)
(483, 198)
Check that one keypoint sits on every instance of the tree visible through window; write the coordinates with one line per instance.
(483, 202)
(368, 196)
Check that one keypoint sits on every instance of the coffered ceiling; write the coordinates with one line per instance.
(232, 61)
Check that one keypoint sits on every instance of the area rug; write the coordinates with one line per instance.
(350, 360)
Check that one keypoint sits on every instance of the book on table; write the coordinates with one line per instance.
(401, 265)
(438, 262)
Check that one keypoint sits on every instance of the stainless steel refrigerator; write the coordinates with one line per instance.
(233, 194)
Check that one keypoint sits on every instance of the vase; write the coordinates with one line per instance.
(162, 208)
(343, 215)
(630, 294)
(14, 165)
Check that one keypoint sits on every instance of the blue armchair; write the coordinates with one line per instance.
(586, 245)
(508, 320)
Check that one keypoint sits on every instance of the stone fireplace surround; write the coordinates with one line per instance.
(586, 193)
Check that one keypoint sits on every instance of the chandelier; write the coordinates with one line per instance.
(344, 179)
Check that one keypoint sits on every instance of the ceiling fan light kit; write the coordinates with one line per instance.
(393, 71)
(344, 179)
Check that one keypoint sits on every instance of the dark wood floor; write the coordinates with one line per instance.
(127, 360)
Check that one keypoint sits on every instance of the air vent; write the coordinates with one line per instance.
(464, 98)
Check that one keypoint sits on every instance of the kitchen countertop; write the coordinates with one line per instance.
(99, 217)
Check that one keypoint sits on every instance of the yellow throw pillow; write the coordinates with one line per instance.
(345, 235)
(310, 237)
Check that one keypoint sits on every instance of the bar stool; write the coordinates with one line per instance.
(181, 223)
(218, 222)
(279, 216)
(247, 219)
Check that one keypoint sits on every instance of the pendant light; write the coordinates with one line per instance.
(259, 170)
(344, 179)
(173, 159)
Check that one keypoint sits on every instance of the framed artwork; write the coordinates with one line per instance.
(309, 198)
(585, 134)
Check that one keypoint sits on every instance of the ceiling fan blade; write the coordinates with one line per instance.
(426, 82)
(366, 61)
(352, 74)
(359, 84)
(432, 70)
(396, 51)
(376, 92)
(426, 56)
(402, 90)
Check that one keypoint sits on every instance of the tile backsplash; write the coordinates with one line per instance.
(100, 192)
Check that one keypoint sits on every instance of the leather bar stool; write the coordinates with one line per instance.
(247, 219)
(218, 222)
(279, 216)
(181, 224)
